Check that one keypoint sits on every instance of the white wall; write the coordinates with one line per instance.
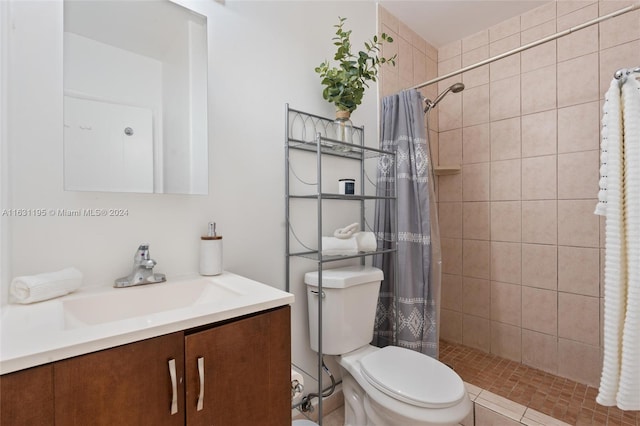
(262, 55)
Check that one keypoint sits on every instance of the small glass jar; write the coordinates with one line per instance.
(343, 128)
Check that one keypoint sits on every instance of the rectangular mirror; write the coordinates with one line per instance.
(135, 97)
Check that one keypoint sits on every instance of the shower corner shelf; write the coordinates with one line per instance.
(309, 132)
(446, 170)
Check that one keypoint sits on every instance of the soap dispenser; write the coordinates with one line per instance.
(211, 252)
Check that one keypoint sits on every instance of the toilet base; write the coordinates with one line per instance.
(362, 409)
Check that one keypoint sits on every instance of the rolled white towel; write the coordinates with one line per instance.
(366, 241)
(347, 231)
(332, 246)
(35, 288)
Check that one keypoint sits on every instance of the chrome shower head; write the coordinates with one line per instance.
(455, 88)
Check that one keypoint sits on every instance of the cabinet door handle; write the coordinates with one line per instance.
(201, 375)
(174, 386)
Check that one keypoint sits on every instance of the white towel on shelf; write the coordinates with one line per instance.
(366, 241)
(332, 246)
(620, 380)
(347, 231)
(35, 288)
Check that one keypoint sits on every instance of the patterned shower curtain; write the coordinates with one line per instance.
(407, 306)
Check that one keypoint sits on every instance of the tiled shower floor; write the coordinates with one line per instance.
(561, 398)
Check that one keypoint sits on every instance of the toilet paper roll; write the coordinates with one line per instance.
(297, 387)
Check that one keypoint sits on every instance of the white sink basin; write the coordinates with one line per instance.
(143, 301)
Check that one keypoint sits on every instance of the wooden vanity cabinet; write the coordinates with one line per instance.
(246, 376)
(246, 372)
(125, 385)
(26, 397)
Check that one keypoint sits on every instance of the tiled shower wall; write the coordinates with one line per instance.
(522, 249)
(416, 63)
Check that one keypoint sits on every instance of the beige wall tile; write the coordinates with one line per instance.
(451, 255)
(475, 220)
(578, 80)
(501, 405)
(405, 59)
(505, 139)
(579, 270)
(539, 133)
(539, 178)
(577, 44)
(539, 90)
(450, 146)
(419, 66)
(475, 182)
(506, 262)
(578, 127)
(569, 6)
(579, 318)
(579, 362)
(506, 221)
(450, 113)
(505, 341)
(619, 30)
(540, 56)
(505, 303)
(540, 310)
(505, 180)
(388, 19)
(450, 188)
(538, 32)
(608, 6)
(540, 266)
(578, 175)
(504, 68)
(452, 292)
(505, 98)
(451, 326)
(450, 50)
(540, 351)
(475, 259)
(540, 222)
(569, 16)
(475, 144)
(476, 297)
(481, 38)
(504, 29)
(539, 15)
(577, 225)
(476, 77)
(450, 219)
(476, 332)
(475, 105)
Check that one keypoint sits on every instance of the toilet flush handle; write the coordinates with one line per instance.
(315, 292)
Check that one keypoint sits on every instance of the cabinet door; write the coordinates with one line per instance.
(246, 374)
(27, 397)
(126, 385)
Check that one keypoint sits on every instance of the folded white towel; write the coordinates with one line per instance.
(366, 241)
(35, 288)
(332, 246)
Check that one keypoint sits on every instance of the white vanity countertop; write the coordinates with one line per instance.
(97, 318)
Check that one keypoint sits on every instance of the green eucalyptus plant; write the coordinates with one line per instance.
(345, 83)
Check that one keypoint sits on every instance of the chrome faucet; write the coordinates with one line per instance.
(142, 270)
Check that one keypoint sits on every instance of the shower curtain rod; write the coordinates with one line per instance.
(530, 45)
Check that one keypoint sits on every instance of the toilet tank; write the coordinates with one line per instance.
(348, 307)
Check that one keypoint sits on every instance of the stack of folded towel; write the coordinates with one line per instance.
(35, 288)
(348, 241)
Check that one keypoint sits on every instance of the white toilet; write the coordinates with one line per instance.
(382, 386)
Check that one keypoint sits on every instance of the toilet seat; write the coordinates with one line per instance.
(412, 377)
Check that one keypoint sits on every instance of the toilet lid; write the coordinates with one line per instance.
(412, 377)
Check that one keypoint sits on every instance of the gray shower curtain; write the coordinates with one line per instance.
(407, 314)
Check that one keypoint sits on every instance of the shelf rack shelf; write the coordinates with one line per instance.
(310, 133)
